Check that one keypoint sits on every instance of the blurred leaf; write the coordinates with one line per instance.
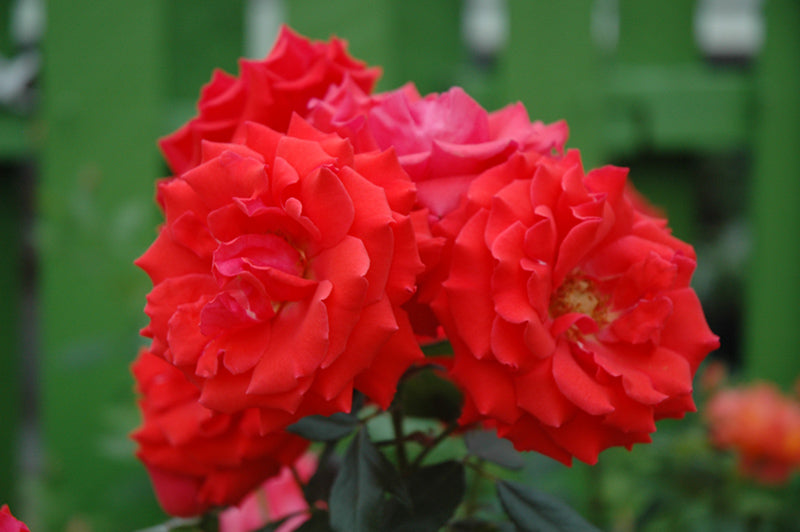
(487, 445)
(533, 511)
(427, 395)
(436, 491)
(478, 525)
(357, 495)
(475, 525)
(442, 348)
(321, 428)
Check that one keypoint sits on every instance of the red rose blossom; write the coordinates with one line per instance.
(279, 274)
(198, 458)
(570, 312)
(267, 91)
(443, 141)
(9, 523)
(762, 426)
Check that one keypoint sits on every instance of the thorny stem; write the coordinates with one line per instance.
(470, 502)
(417, 437)
(399, 437)
(436, 441)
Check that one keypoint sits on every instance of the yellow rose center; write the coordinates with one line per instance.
(578, 293)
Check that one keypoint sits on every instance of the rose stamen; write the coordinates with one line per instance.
(579, 294)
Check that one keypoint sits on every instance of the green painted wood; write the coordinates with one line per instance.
(773, 281)
(661, 94)
(426, 45)
(413, 40)
(657, 32)
(10, 146)
(10, 322)
(197, 42)
(16, 136)
(103, 77)
(553, 67)
(6, 46)
(364, 25)
(677, 109)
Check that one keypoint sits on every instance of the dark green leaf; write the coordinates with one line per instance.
(317, 523)
(425, 394)
(442, 348)
(436, 491)
(533, 511)
(478, 525)
(487, 445)
(321, 428)
(357, 495)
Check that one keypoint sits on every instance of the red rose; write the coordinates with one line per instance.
(278, 498)
(267, 91)
(762, 426)
(198, 458)
(279, 274)
(443, 140)
(570, 312)
(9, 523)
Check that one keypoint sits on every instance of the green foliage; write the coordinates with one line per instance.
(680, 482)
(435, 492)
(534, 511)
(488, 446)
(321, 428)
(357, 495)
(427, 395)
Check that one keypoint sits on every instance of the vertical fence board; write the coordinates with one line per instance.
(772, 335)
(102, 112)
(553, 67)
(364, 25)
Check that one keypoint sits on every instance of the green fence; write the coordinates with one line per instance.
(713, 143)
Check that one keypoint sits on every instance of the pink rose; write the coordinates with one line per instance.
(9, 523)
(570, 311)
(198, 458)
(762, 426)
(280, 271)
(279, 497)
(443, 140)
(267, 91)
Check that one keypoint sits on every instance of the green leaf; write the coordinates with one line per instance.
(321, 428)
(442, 348)
(357, 496)
(487, 445)
(534, 511)
(472, 524)
(427, 395)
(436, 491)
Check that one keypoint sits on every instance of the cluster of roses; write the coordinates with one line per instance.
(316, 234)
(762, 426)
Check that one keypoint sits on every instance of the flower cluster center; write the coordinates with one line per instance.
(579, 294)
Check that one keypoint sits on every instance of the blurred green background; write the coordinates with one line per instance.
(700, 98)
